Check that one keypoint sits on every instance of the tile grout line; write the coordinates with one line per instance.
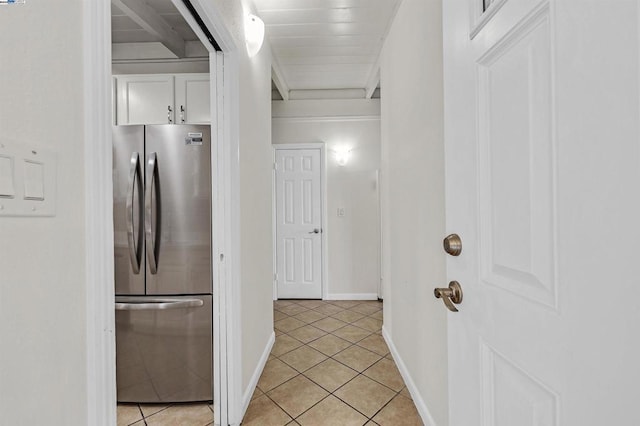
(355, 377)
(387, 403)
(342, 400)
(328, 333)
(278, 405)
(396, 393)
(328, 315)
(332, 356)
(351, 344)
(319, 401)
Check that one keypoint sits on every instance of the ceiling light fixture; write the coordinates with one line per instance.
(254, 34)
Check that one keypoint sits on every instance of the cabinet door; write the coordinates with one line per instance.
(192, 99)
(145, 99)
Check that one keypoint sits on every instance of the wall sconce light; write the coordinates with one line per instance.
(254, 34)
(342, 156)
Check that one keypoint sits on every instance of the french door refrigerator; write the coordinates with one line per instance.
(162, 223)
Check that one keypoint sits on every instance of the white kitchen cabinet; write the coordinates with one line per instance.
(145, 99)
(162, 99)
(192, 99)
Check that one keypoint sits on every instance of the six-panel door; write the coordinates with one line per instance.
(543, 175)
(298, 224)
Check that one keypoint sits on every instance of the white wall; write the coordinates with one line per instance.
(255, 209)
(413, 202)
(253, 130)
(42, 260)
(42, 278)
(353, 240)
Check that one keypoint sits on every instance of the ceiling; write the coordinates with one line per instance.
(316, 44)
(143, 21)
(326, 44)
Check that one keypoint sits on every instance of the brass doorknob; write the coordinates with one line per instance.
(452, 244)
(450, 295)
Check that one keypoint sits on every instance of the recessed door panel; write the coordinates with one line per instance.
(516, 179)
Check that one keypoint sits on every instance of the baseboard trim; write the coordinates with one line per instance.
(352, 296)
(423, 410)
(246, 397)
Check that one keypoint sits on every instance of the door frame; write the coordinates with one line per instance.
(381, 230)
(323, 211)
(98, 213)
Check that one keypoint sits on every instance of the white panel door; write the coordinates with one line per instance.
(543, 186)
(145, 99)
(298, 224)
(193, 104)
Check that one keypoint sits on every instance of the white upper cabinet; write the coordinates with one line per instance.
(145, 99)
(162, 99)
(192, 99)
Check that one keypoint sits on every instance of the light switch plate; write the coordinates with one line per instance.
(33, 184)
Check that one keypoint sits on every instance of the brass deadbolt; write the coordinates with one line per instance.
(452, 244)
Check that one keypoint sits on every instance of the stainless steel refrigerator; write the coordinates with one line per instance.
(162, 223)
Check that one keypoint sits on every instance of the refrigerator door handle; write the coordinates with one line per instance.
(135, 241)
(155, 304)
(152, 186)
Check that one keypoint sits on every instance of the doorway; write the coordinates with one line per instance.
(101, 386)
(162, 74)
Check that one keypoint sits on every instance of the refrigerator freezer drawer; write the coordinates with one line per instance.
(164, 349)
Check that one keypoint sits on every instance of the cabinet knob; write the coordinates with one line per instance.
(169, 111)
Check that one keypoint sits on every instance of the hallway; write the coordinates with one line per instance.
(330, 366)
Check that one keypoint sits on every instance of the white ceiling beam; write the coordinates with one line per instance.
(374, 76)
(155, 50)
(373, 81)
(145, 16)
(278, 79)
(326, 94)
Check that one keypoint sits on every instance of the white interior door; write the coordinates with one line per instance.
(298, 223)
(543, 183)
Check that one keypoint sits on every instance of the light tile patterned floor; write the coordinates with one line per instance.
(330, 366)
(165, 415)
